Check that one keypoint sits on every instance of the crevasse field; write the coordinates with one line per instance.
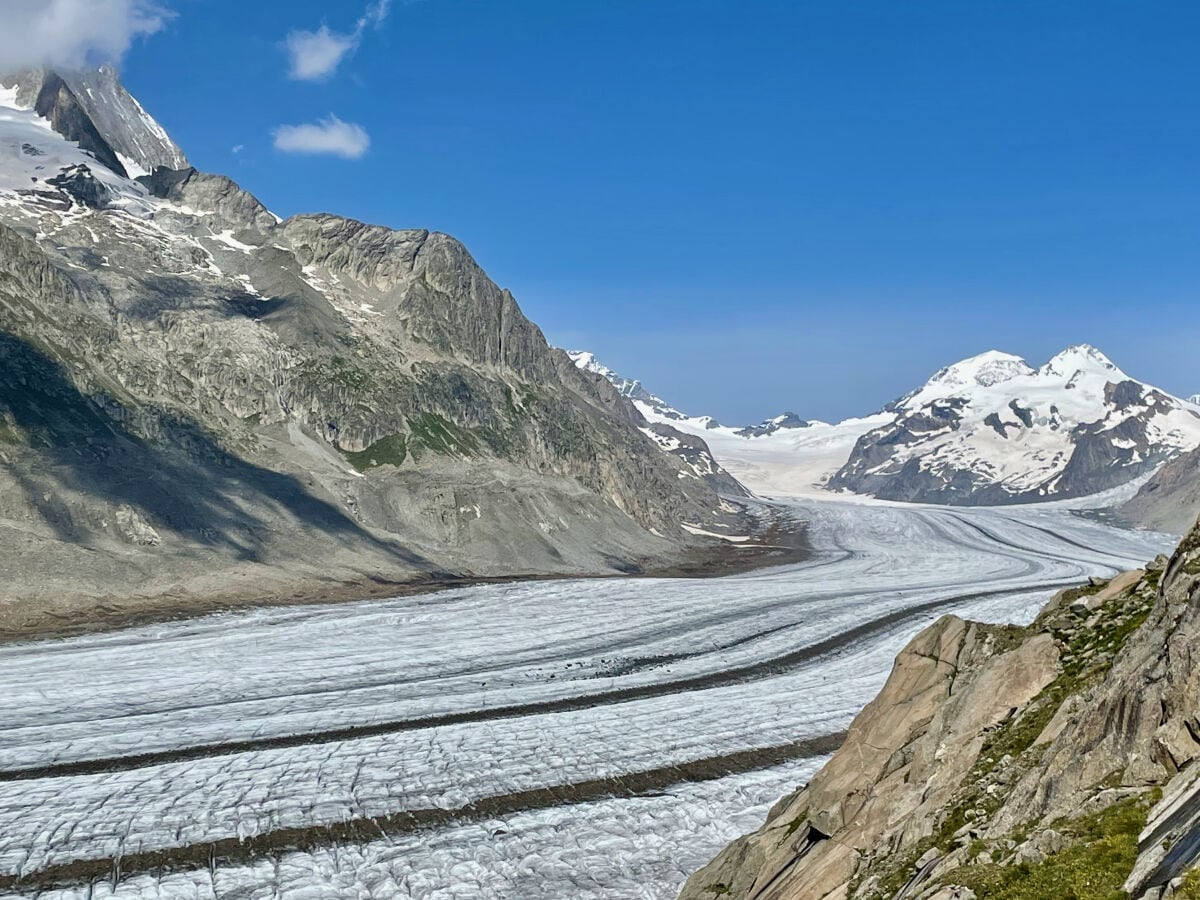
(567, 739)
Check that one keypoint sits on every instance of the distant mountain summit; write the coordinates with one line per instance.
(673, 431)
(651, 405)
(994, 429)
(784, 422)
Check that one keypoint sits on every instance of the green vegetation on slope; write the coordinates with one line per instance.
(1093, 867)
(1190, 888)
(439, 435)
(387, 451)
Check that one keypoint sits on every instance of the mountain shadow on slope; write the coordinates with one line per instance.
(180, 479)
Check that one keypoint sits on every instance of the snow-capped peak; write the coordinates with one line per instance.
(984, 370)
(1194, 399)
(586, 360)
(34, 158)
(1082, 358)
(993, 429)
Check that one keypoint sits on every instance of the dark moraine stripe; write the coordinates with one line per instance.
(234, 851)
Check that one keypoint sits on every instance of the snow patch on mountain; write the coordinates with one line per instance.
(32, 154)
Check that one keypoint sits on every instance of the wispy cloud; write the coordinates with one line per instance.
(74, 32)
(328, 137)
(315, 55)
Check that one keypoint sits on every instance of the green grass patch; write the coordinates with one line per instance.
(1093, 868)
(388, 451)
(439, 435)
(1190, 888)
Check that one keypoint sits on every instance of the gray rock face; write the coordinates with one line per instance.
(197, 397)
(57, 103)
(1170, 500)
(696, 455)
(82, 187)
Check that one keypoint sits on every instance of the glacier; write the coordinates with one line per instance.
(582, 738)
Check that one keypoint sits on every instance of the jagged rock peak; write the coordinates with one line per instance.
(651, 405)
(91, 106)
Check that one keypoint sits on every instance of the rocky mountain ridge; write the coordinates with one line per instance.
(991, 429)
(305, 400)
(1169, 500)
(1057, 760)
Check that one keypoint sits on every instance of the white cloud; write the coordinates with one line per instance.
(315, 55)
(329, 137)
(72, 32)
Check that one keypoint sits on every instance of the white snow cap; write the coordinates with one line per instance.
(1082, 357)
(984, 370)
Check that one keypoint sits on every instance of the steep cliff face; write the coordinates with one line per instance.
(192, 386)
(1057, 760)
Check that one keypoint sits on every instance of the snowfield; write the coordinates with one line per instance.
(558, 739)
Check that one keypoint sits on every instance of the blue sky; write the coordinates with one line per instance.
(752, 206)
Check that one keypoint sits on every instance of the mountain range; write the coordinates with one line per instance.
(991, 429)
(198, 398)
(318, 402)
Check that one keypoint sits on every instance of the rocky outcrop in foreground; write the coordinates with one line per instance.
(1053, 761)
